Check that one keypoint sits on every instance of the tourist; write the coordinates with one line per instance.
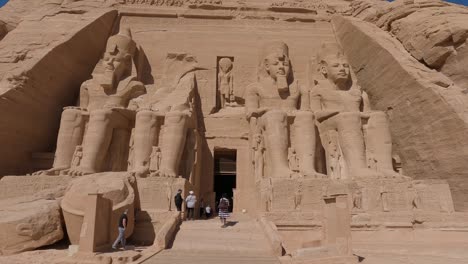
(207, 211)
(223, 209)
(123, 221)
(178, 200)
(202, 208)
(191, 200)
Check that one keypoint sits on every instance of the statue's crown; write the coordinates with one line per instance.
(277, 47)
(122, 41)
(327, 50)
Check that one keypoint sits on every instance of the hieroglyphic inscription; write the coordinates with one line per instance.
(283, 198)
(172, 3)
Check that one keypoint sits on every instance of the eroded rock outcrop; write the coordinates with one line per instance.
(434, 32)
(30, 222)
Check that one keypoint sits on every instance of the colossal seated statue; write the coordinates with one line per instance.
(356, 139)
(274, 101)
(102, 113)
(164, 118)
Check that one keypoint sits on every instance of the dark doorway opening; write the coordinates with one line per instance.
(225, 174)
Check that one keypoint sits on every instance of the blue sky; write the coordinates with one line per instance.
(461, 2)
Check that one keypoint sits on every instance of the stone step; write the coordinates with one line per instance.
(183, 257)
(239, 236)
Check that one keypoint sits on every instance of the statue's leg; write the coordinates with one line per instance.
(97, 140)
(72, 125)
(276, 135)
(305, 142)
(175, 133)
(351, 140)
(379, 142)
(144, 138)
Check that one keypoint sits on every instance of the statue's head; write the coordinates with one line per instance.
(275, 64)
(118, 57)
(225, 64)
(333, 65)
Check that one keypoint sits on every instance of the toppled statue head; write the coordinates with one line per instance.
(117, 59)
(275, 64)
(333, 65)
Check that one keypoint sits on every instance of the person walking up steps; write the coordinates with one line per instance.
(191, 200)
(223, 209)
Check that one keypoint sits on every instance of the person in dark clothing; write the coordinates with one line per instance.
(123, 221)
(202, 208)
(178, 200)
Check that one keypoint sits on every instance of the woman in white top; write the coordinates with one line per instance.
(223, 209)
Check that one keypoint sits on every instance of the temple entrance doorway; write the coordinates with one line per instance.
(225, 175)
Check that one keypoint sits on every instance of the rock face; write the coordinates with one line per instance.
(434, 32)
(27, 225)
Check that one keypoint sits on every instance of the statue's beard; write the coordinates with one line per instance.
(107, 80)
(282, 83)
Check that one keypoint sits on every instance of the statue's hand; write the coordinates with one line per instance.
(113, 106)
(324, 115)
(75, 107)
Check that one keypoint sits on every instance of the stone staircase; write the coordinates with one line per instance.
(147, 224)
(204, 241)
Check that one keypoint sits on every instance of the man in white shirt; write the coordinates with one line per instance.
(191, 200)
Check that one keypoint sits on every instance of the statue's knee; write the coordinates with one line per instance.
(379, 116)
(350, 116)
(101, 115)
(275, 116)
(71, 115)
(305, 115)
(144, 116)
(175, 117)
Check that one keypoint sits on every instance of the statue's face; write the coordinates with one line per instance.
(224, 68)
(336, 69)
(277, 65)
(115, 64)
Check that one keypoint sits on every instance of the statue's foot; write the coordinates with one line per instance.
(50, 172)
(366, 173)
(165, 172)
(394, 175)
(314, 174)
(80, 171)
(141, 172)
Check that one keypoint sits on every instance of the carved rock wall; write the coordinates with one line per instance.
(42, 65)
(427, 112)
(434, 32)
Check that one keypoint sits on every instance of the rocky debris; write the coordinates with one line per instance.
(29, 224)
